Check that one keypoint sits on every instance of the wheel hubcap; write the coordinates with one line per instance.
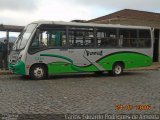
(118, 69)
(38, 72)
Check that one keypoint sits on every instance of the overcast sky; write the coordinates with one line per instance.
(22, 12)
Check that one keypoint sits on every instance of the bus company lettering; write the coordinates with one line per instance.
(94, 53)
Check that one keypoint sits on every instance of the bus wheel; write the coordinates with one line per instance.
(117, 69)
(38, 72)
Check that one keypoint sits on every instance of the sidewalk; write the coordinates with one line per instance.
(5, 72)
(155, 66)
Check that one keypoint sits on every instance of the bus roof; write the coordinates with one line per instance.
(90, 24)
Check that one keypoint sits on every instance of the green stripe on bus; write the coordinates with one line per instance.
(62, 66)
(130, 60)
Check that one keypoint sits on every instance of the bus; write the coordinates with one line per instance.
(50, 47)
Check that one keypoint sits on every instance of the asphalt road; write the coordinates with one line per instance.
(135, 92)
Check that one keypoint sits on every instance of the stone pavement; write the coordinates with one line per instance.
(155, 66)
(82, 93)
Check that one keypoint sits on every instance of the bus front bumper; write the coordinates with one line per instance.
(18, 68)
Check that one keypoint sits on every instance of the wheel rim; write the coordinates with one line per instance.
(118, 69)
(38, 72)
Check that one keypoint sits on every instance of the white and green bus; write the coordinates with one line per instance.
(46, 47)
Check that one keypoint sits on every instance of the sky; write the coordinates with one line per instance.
(22, 12)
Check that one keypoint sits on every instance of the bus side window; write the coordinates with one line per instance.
(57, 38)
(39, 41)
(107, 37)
(48, 39)
(133, 38)
(144, 38)
(81, 37)
(43, 39)
(53, 38)
(128, 38)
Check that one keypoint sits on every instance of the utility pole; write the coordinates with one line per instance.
(7, 35)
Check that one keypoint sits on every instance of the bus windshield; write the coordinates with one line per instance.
(24, 37)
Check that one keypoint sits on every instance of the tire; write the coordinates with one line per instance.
(38, 72)
(117, 69)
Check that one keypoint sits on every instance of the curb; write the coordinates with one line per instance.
(5, 73)
(134, 69)
(140, 69)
